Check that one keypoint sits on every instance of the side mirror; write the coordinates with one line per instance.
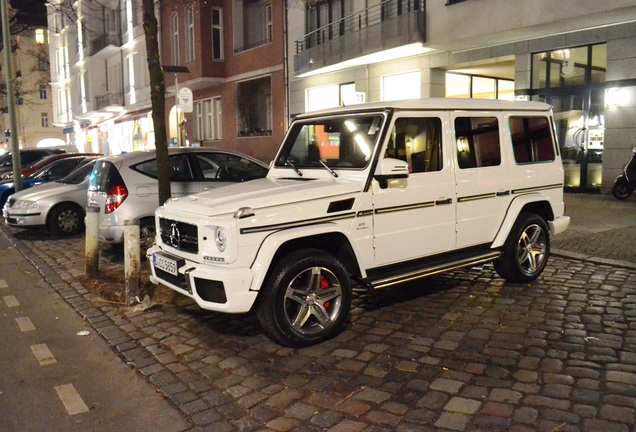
(390, 168)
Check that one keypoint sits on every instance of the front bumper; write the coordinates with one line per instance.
(23, 218)
(214, 288)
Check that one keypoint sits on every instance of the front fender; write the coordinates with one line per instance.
(274, 241)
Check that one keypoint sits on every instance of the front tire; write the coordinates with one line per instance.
(66, 220)
(526, 250)
(306, 299)
(621, 189)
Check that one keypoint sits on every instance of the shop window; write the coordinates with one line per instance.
(401, 86)
(254, 111)
(477, 140)
(478, 87)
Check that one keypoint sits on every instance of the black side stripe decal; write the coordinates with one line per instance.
(296, 224)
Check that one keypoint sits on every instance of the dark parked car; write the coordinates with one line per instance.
(27, 156)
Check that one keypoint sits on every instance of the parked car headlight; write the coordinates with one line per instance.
(25, 204)
(220, 238)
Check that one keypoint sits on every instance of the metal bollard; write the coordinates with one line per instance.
(132, 261)
(91, 253)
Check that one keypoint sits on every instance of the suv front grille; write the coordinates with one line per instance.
(180, 235)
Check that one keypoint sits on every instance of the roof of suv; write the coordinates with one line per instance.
(436, 104)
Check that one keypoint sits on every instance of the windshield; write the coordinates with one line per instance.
(79, 174)
(341, 142)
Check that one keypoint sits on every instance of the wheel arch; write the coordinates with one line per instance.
(327, 238)
(58, 205)
(536, 204)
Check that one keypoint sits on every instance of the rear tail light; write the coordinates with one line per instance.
(115, 198)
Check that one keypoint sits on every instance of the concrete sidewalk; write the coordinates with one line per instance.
(602, 230)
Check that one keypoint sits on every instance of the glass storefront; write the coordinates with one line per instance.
(572, 81)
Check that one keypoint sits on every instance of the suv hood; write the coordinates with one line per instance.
(261, 193)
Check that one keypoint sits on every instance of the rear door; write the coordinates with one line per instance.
(482, 175)
(415, 217)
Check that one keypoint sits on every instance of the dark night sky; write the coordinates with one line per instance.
(30, 11)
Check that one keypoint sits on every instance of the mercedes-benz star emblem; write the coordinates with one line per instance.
(175, 236)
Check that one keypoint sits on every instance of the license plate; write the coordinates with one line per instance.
(166, 264)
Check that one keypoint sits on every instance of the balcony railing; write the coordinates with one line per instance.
(108, 100)
(391, 24)
(387, 10)
(105, 40)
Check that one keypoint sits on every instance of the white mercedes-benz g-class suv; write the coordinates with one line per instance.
(372, 195)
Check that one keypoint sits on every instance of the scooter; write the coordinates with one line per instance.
(625, 183)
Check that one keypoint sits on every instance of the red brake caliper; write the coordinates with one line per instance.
(324, 285)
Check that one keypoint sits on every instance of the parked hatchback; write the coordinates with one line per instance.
(125, 186)
(59, 206)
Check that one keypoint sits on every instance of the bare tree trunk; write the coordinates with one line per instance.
(157, 96)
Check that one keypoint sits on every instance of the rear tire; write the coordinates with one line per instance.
(621, 189)
(526, 250)
(306, 299)
(66, 220)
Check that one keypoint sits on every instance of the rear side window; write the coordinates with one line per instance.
(180, 169)
(477, 142)
(104, 177)
(532, 140)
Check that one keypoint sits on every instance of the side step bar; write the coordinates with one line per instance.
(383, 279)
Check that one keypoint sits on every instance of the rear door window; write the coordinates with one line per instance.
(180, 169)
(477, 142)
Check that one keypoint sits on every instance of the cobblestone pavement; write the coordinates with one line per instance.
(464, 351)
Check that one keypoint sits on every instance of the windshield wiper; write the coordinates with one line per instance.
(291, 164)
(332, 172)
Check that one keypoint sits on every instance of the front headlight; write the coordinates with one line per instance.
(220, 239)
(25, 204)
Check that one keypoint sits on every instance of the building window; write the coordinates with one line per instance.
(43, 91)
(254, 107)
(44, 119)
(217, 34)
(43, 63)
(401, 86)
(189, 25)
(478, 87)
(208, 119)
(251, 21)
(268, 23)
(39, 36)
(332, 96)
(174, 39)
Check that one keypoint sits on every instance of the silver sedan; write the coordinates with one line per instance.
(59, 206)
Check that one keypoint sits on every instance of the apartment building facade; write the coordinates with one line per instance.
(578, 56)
(34, 109)
(99, 75)
(230, 55)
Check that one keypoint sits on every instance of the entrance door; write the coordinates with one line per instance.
(580, 129)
